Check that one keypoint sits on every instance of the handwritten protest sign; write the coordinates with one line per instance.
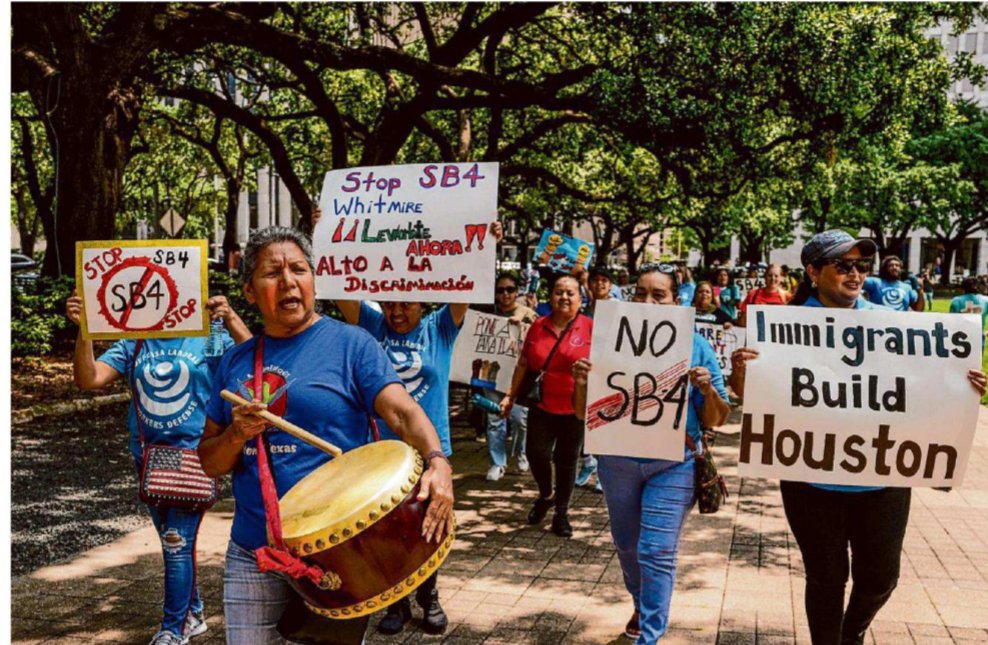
(563, 253)
(142, 289)
(638, 388)
(724, 342)
(628, 292)
(486, 350)
(407, 233)
(749, 284)
(872, 398)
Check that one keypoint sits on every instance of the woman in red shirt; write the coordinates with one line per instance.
(555, 435)
(772, 293)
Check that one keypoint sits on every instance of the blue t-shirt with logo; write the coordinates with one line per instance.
(421, 358)
(894, 294)
(324, 380)
(860, 303)
(171, 383)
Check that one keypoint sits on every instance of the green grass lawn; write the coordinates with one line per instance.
(942, 306)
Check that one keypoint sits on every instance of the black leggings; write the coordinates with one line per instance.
(554, 439)
(824, 523)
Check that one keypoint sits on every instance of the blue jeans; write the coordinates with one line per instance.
(177, 530)
(497, 431)
(648, 504)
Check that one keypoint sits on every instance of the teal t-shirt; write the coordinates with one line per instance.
(421, 358)
(971, 303)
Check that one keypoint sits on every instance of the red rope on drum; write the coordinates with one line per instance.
(276, 558)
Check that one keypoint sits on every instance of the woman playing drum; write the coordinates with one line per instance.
(322, 375)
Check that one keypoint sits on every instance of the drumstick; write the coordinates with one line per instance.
(287, 426)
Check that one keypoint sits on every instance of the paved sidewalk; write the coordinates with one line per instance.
(740, 575)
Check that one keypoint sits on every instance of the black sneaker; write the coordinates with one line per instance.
(561, 526)
(434, 619)
(539, 510)
(398, 614)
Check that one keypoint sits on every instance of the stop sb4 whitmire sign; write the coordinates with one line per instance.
(142, 288)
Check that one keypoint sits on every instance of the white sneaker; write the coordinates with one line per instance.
(523, 463)
(495, 473)
(166, 638)
(195, 624)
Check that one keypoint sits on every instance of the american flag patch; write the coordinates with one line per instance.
(175, 475)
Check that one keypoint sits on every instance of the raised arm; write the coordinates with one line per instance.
(220, 309)
(87, 372)
(350, 310)
(581, 372)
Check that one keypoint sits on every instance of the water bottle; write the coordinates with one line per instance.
(484, 403)
(214, 344)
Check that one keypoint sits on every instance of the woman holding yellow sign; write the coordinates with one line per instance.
(170, 380)
(828, 518)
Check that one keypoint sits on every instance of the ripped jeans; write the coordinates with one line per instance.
(177, 529)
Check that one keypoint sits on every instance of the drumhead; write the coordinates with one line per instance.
(345, 496)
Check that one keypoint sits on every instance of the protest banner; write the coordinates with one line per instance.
(748, 284)
(486, 350)
(563, 253)
(142, 288)
(414, 233)
(724, 341)
(638, 390)
(871, 397)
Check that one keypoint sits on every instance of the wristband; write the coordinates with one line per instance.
(437, 453)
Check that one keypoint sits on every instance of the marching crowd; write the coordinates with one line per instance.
(388, 366)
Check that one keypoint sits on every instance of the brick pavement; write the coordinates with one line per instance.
(740, 574)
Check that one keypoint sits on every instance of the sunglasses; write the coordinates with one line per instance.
(843, 267)
(501, 290)
(661, 268)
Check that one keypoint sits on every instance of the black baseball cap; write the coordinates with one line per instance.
(604, 271)
(833, 244)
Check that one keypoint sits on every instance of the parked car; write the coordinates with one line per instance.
(19, 262)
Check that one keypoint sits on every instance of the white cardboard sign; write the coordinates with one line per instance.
(638, 390)
(415, 233)
(724, 342)
(870, 397)
(486, 351)
(142, 288)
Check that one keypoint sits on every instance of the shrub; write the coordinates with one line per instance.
(37, 316)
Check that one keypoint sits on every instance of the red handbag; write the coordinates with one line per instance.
(171, 477)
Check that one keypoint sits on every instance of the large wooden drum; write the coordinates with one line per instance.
(358, 518)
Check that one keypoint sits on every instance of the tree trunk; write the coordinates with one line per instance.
(230, 218)
(950, 247)
(90, 134)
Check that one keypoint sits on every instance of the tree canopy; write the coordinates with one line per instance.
(633, 117)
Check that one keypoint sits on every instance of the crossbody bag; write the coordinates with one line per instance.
(171, 477)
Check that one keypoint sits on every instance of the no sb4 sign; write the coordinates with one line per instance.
(142, 289)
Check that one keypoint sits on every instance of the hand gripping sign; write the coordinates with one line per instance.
(871, 397)
(414, 233)
(638, 390)
(142, 289)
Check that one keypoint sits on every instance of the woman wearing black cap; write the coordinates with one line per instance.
(827, 518)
